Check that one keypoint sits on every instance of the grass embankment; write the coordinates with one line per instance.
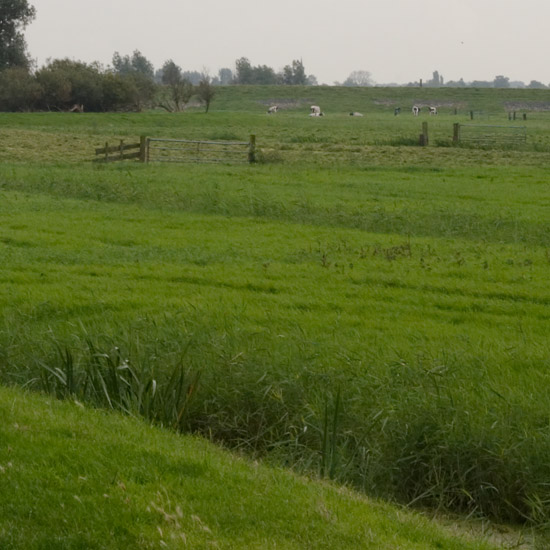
(71, 477)
(381, 323)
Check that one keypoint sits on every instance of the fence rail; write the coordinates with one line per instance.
(113, 153)
(199, 151)
(179, 151)
(478, 134)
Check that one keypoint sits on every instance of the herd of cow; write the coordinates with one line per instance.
(315, 110)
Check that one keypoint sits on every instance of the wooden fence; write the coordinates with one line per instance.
(113, 153)
(489, 135)
(180, 150)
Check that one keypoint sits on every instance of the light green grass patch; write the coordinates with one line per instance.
(71, 477)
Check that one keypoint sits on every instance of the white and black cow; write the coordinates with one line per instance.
(315, 110)
(415, 110)
(273, 109)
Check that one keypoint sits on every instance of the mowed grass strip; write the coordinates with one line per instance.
(72, 477)
(67, 253)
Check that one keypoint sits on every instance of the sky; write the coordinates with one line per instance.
(397, 41)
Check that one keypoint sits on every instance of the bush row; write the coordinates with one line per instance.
(62, 84)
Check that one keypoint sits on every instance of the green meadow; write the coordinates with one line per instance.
(72, 477)
(352, 306)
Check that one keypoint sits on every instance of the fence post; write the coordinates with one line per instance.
(423, 141)
(456, 133)
(143, 149)
(471, 115)
(121, 149)
(252, 149)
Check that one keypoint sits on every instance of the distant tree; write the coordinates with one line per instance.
(65, 82)
(286, 75)
(15, 15)
(358, 78)
(140, 74)
(312, 80)
(481, 84)
(536, 84)
(117, 92)
(138, 63)
(262, 74)
(436, 81)
(294, 74)
(225, 76)
(19, 90)
(501, 82)
(298, 73)
(456, 83)
(243, 71)
(192, 76)
(206, 91)
(181, 90)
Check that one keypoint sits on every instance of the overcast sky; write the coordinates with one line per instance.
(395, 40)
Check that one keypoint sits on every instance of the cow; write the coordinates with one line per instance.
(433, 110)
(316, 111)
(77, 108)
(355, 113)
(415, 110)
(397, 111)
(273, 109)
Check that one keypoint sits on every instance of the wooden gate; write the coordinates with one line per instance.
(180, 150)
(200, 151)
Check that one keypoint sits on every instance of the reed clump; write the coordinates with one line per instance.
(436, 435)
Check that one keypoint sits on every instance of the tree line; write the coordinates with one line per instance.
(500, 81)
(131, 83)
(63, 84)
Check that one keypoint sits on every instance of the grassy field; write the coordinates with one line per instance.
(351, 306)
(72, 477)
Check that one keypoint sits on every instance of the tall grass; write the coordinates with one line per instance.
(435, 435)
(382, 323)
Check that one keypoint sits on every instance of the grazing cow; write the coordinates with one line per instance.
(397, 111)
(355, 113)
(433, 110)
(316, 111)
(415, 110)
(272, 109)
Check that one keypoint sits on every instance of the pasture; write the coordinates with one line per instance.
(352, 306)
